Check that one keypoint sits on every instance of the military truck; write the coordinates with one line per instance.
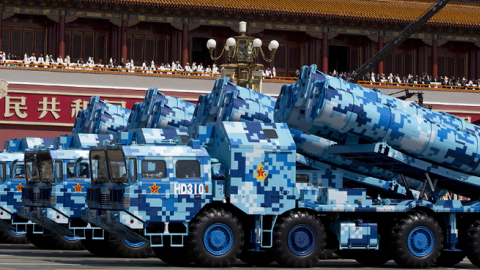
(12, 175)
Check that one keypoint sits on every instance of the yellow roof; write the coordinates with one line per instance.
(457, 13)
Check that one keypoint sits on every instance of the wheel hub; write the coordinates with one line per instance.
(301, 240)
(421, 241)
(218, 239)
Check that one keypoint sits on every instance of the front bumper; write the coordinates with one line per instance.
(118, 223)
(47, 218)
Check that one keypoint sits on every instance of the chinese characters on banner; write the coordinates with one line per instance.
(51, 108)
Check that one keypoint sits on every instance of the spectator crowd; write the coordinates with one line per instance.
(410, 80)
(175, 67)
(123, 66)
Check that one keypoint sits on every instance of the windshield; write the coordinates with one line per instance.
(45, 169)
(116, 166)
(31, 168)
(99, 169)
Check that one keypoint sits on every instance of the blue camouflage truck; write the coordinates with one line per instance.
(256, 189)
(12, 175)
(57, 180)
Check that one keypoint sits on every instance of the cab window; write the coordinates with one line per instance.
(186, 169)
(19, 171)
(3, 172)
(302, 178)
(116, 166)
(83, 170)
(99, 170)
(154, 169)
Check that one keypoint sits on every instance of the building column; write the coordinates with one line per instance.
(61, 37)
(123, 40)
(184, 44)
(477, 61)
(435, 58)
(325, 53)
(379, 47)
(1, 14)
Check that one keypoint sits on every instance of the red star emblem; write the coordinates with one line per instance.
(261, 174)
(154, 189)
(19, 187)
(78, 188)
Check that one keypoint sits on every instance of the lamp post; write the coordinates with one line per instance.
(242, 51)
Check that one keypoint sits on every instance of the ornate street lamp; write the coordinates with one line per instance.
(242, 51)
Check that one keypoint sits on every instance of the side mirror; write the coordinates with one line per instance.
(76, 167)
(13, 170)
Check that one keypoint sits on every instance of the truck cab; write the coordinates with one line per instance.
(57, 180)
(147, 176)
(12, 176)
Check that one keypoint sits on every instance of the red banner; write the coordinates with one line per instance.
(52, 108)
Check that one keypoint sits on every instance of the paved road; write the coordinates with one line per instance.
(30, 257)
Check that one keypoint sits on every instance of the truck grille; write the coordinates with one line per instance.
(27, 193)
(116, 195)
(36, 197)
(93, 195)
(105, 199)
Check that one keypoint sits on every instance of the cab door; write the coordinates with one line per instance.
(189, 186)
(76, 182)
(155, 184)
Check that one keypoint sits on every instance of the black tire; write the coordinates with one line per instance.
(97, 247)
(473, 243)
(125, 249)
(65, 243)
(289, 246)
(417, 241)
(39, 241)
(12, 237)
(450, 258)
(229, 232)
(262, 258)
(172, 255)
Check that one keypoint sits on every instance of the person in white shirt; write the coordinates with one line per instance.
(144, 65)
(214, 69)
(174, 66)
(274, 72)
(132, 66)
(200, 68)
(390, 78)
(67, 60)
(268, 73)
(40, 59)
(168, 67)
(179, 67)
(208, 70)
(188, 69)
(60, 60)
(152, 67)
(194, 67)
